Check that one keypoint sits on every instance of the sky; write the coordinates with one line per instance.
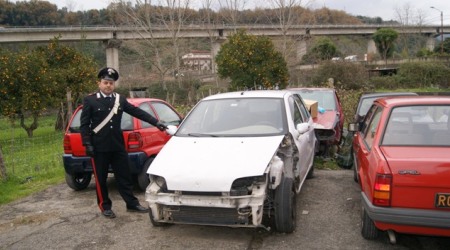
(386, 9)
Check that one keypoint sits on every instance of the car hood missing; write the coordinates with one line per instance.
(326, 120)
(205, 164)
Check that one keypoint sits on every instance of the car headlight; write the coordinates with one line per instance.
(160, 181)
(244, 186)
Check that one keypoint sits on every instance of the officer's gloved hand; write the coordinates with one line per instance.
(161, 126)
(90, 150)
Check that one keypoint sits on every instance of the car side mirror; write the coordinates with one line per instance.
(353, 127)
(302, 127)
(171, 129)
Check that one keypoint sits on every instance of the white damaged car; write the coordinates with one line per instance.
(237, 159)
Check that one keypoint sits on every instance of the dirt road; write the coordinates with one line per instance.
(59, 218)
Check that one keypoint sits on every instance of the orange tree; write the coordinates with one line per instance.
(251, 62)
(73, 74)
(32, 81)
(25, 87)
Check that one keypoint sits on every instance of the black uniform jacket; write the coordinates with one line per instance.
(110, 138)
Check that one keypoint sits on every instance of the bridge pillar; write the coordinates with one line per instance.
(215, 47)
(371, 47)
(431, 43)
(112, 54)
(302, 49)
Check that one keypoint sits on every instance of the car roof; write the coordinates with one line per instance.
(252, 93)
(412, 100)
(383, 94)
(314, 88)
(137, 101)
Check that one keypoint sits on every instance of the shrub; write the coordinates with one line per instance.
(424, 74)
(346, 75)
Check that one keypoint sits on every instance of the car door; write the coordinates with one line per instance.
(150, 134)
(305, 141)
(363, 144)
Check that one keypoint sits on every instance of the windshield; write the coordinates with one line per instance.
(324, 98)
(235, 117)
(418, 126)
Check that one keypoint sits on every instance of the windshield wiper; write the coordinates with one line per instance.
(202, 135)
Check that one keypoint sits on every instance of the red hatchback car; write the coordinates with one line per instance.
(402, 160)
(143, 143)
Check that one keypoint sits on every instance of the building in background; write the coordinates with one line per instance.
(198, 60)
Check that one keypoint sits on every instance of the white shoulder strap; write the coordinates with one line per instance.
(110, 115)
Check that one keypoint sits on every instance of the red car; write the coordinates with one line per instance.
(329, 122)
(402, 160)
(143, 143)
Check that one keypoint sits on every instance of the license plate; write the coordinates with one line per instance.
(442, 200)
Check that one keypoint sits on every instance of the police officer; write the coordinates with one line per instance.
(103, 139)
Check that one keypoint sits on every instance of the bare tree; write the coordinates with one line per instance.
(146, 17)
(287, 15)
(71, 5)
(210, 24)
(406, 15)
(230, 10)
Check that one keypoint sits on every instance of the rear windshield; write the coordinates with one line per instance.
(126, 124)
(418, 126)
(325, 98)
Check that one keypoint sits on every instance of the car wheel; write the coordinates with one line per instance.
(310, 174)
(78, 181)
(368, 229)
(143, 179)
(285, 207)
(155, 223)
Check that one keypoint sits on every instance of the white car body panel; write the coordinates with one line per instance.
(210, 164)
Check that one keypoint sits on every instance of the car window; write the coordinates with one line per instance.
(366, 103)
(147, 108)
(295, 111)
(371, 129)
(424, 125)
(127, 122)
(303, 110)
(74, 127)
(166, 114)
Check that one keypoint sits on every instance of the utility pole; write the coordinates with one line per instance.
(442, 29)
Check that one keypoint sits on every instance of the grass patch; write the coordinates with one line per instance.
(326, 163)
(32, 164)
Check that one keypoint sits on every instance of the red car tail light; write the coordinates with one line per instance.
(67, 146)
(382, 190)
(134, 141)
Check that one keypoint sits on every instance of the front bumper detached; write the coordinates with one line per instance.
(218, 209)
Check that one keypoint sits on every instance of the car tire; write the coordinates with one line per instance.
(78, 181)
(142, 178)
(285, 207)
(368, 229)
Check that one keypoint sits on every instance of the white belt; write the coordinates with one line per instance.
(110, 115)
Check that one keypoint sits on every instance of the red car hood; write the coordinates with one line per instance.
(326, 120)
(419, 173)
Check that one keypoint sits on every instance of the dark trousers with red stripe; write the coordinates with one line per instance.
(119, 163)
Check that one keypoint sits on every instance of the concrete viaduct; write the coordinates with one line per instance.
(113, 35)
